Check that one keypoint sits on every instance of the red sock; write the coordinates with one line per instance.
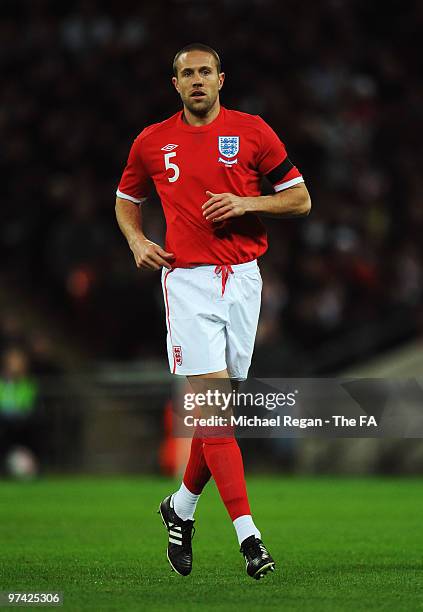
(197, 474)
(224, 459)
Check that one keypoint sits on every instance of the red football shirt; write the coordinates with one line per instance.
(230, 154)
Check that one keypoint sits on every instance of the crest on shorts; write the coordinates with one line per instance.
(229, 148)
(177, 354)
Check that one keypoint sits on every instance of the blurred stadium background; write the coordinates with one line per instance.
(84, 383)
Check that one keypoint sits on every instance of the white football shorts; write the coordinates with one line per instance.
(211, 317)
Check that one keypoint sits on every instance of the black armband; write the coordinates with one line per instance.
(280, 171)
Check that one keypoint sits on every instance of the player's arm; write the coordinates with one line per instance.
(132, 191)
(291, 202)
(147, 254)
(291, 198)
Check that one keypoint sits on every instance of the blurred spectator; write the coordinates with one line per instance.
(19, 418)
(44, 360)
(11, 329)
(18, 391)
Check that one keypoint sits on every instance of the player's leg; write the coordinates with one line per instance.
(196, 343)
(223, 457)
(245, 298)
(196, 318)
(177, 510)
(196, 476)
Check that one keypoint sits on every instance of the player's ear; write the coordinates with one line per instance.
(221, 79)
(175, 83)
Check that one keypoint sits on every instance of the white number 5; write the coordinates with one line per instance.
(174, 167)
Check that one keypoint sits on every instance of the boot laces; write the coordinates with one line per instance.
(254, 548)
(188, 532)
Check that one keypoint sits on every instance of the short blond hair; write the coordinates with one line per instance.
(197, 47)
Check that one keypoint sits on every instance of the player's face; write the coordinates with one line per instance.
(198, 81)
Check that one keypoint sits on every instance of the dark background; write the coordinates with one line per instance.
(339, 81)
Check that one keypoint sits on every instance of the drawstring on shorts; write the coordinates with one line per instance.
(224, 270)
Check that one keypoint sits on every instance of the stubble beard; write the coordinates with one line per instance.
(202, 111)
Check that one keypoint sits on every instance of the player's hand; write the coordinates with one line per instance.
(150, 255)
(221, 206)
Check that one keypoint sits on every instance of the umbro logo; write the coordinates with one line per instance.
(169, 147)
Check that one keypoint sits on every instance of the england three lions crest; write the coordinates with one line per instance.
(228, 148)
(177, 355)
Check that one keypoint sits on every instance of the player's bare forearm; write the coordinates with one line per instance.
(147, 254)
(129, 219)
(292, 202)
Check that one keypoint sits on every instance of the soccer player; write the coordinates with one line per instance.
(206, 163)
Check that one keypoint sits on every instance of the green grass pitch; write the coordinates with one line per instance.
(339, 544)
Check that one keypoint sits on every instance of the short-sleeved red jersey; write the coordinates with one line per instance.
(230, 154)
